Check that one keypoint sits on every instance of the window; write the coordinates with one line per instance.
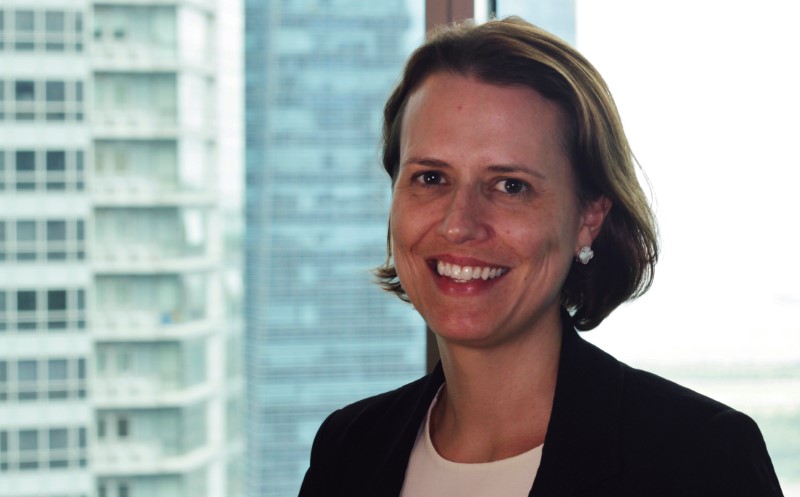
(48, 310)
(3, 247)
(45, 170)
(54, 30)
(24, 26)
(3, 381)
(28, 449)
(3, 311)
(57, 379)
(56, 240)
(26, 240)
(27, 378)
(57, 445)
(26, 310)
(36, 30)
(25, 170)
(56, 167)
(122, 427)
(41, 448)
(51, 379)
(50, 100)
(55, 96)
(51, 239)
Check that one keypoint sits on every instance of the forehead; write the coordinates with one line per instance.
(462, 113)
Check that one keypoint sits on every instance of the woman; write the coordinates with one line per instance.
(516, 219)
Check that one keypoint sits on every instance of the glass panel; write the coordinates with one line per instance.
(79, 91)
(27, 370)
(57, 300)
(26, 161)
(54, 22)
(28, 440)
(23, 19)
(79, 235)
(24, 91)
(26, 300)
(82, 438)
(81, 369)
(57, 369)
(79, 161)
(56, 231)
(57, 438)
(55, 91)
(26, 231)
(3, 371)
(2, 231)
(81, 300)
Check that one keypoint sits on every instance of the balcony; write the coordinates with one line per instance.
(144, 260)
(142, 458)
(151, 326)
(135, 123)
(132, 392)
(147, 192)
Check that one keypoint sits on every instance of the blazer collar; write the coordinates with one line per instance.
(583, 437)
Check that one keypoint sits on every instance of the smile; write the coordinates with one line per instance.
(464, 274)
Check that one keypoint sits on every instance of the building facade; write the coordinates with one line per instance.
(118, 329)
(319, 331)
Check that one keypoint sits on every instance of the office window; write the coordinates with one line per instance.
(28, 449)
(29, 30)
(54, 240)
(3, 247)
(55, 98)
(53, 379)
(27, 380)
(24, 30)
(49, 100)
(25, 170)
(45, 170)
(44, 310)
(54, 24)
(42, 449)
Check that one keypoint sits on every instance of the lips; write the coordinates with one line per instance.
(464, 273)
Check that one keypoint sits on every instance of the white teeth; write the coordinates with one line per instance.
(466, 273)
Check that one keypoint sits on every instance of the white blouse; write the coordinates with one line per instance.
(430, 475)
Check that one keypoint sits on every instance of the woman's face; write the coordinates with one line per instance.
(485, 220)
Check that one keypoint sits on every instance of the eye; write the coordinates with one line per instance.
(512, 186)
(430, 178)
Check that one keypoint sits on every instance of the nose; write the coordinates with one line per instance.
(464, 219)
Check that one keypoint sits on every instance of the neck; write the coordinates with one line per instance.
(497, 400)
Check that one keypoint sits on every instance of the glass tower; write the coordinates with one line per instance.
(319, 332)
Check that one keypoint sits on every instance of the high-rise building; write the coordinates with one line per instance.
(119, 337)
(319, 332)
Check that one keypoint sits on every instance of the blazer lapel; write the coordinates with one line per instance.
(386, 476)
(582, 442)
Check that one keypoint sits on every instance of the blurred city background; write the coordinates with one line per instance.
(191, 202)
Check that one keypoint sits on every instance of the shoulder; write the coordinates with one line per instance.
(365, 446)
(362, 419)
(704, 444)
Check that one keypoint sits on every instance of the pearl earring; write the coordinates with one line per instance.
(585, 254)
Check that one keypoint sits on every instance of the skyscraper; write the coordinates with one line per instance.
(115, 375)
(319, 332)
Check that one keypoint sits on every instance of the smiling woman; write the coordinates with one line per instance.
(510, 170)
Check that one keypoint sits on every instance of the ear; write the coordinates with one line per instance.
(592, 219)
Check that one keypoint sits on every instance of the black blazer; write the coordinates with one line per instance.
(614, 431)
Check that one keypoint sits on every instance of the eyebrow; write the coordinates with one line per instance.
(496, 168)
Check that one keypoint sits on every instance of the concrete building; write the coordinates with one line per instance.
(119, 346)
